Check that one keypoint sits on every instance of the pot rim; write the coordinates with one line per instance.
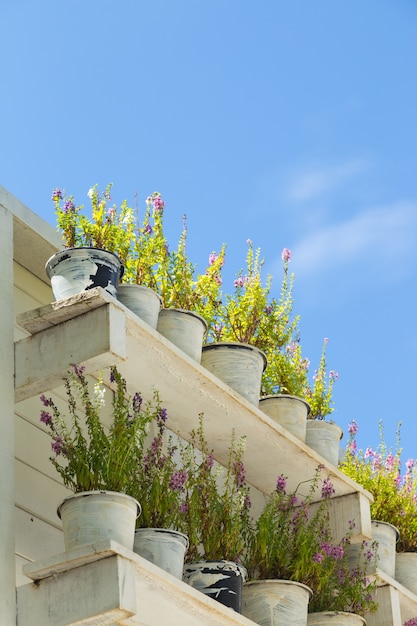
(94, 492)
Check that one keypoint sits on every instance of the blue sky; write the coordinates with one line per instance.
(290, 123)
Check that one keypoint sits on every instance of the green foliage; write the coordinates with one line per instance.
(249, 314)
(319, 395)
(88, 455)
(379, 472)
(216, 512)
(107, 228)
(292, 541)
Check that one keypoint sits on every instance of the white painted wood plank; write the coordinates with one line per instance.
(38, 494)
(35, 538)
(389, 612)
(96, 339)
(160, 598)
(101, 592)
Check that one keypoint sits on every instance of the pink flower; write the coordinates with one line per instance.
(286, 254)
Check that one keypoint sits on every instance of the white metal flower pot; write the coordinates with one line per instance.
(287, 411)
(165, 548)
(91, 516)
(142, 301)
(276, 602)
(239, 365)
(183, 328)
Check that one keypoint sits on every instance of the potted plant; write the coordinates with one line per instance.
(247, 326)
(394, 506)
(215, 517)
(292, 542)
(159, 483)
(93, 450)
(95, 247)
(186, 297)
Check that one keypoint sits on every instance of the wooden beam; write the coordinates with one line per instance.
(95, 339)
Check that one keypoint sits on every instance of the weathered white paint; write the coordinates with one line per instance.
(389, 610)
(7, 484)
(96, 339)
(157, 597)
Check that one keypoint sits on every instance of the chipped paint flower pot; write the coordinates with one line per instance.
(239, 365)
(183, 328)
(142, 301)
(276, 602)
(91, 516)
(335, 618)
(287, 411)
(74, 270)
(165, 548)
(324, 438)
(220, 580)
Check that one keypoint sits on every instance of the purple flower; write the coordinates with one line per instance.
(162, 414)
(46, 418)
(268, 310)
(338, 552)
(69, 207)
(390, 463)
(369, 453)
(213, 258)
(247, 502)
(327, 548)
(57, 445)
(184, 508)
(56, 194)
(148, 229)
(318, 558)
(137, 402)
(46, 401)
(208, 462)
(281, 484)
(158, 203)
(352, 446)
(177, 480)
(78, 370)
(286, 254)
(352, 427)
(240, 474)
(327, 488)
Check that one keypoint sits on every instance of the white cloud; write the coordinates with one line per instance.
(320, 180)
(378, 235)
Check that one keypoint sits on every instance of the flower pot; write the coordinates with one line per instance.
(287, 411)
(164, 547)
(74, 270)
(406, 570)
(142, 301)
(335, 618)
(239, 365)
(220, 580)
(276, 602)
(92, 516)
(324, 437)
(183, 328)
(386, 536)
